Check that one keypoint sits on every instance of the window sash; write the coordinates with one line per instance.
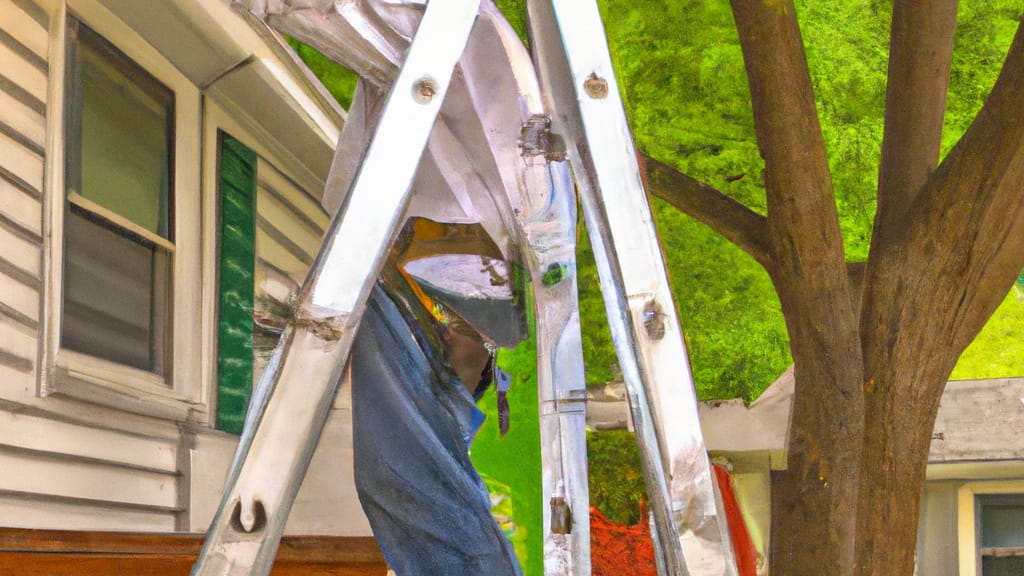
(152, 206)
(1002, 551)
(118, 273)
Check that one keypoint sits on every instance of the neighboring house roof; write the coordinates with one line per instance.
(979, 421)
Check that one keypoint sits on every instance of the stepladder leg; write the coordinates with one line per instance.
(293, 399)
(510, 148)
(576, 74)
(560, 380)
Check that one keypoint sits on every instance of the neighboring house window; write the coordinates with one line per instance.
(270, 231)
(1000, 527)
(119, 241)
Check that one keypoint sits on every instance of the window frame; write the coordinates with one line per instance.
(969, 500)
(982, 500)
(178, 395)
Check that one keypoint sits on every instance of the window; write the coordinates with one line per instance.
(123, 290)
(1000, 524)
(118, 243)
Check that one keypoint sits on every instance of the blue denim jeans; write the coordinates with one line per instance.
(428, 508)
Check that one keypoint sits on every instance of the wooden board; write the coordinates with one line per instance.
(68, 553)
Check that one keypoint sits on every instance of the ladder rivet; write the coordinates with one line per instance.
(424, 90)
(561, 516)
(595, 86)
(654, 320)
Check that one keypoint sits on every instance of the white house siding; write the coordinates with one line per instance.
(937, 531)
(290, 225)
(72, 463)
(61, 467)
(326, 504)
(23, 87)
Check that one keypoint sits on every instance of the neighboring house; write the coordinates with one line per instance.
(972, 513)
(161, 165)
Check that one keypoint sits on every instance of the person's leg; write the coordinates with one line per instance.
(428, 508)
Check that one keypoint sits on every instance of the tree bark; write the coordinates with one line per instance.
(920, 55)
(814, 496)
(736, 222)
(931, 284)
(873, 343)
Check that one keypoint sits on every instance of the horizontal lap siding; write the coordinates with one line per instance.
(20, 211)
(23, 92)
(18, 346)
(19, 301)
(59, 474)
(63, 477)
(20, 67)
(21, 166)
(290, 224)
(72, 440)
(300, 199)
(19, 511)
(21, 118)
(55, 474)
(24, 29)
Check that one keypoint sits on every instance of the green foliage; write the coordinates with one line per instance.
(680, 71)
(984, 32)
(514, 460)
(996, 352)
(515, 12)
(339, 81)
(616, 480)
(598, 351)
(847, 52)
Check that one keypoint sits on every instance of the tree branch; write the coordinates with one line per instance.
(802, 217)
(810, 276)
(961, 243)
(982, 178)
(730, 218)
(920, 55)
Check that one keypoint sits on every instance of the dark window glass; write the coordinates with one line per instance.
(118, 227)
(1001, 533)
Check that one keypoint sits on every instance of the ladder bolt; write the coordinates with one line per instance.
(595, 86)
(424, 90)
(561, 516)
(654, 320)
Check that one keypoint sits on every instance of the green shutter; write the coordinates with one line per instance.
(236, 269)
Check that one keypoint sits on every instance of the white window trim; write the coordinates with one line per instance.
(239, 126)
(78, 375)
(967, 522)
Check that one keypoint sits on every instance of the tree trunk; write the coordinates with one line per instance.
(871, 360)
(818, 490)
(812, 500)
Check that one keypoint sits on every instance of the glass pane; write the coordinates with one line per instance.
(1008, 566)
(126, 119)
(1002, 522)
(116, 296)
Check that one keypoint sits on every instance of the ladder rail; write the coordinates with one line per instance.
(298, 387)
(576, 72)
